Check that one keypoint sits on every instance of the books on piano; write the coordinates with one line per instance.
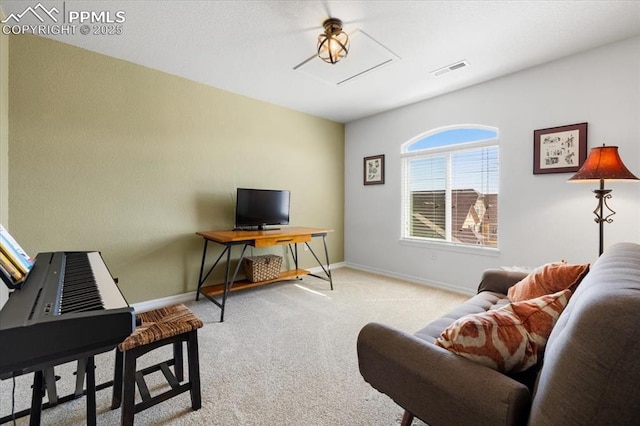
(15, 263)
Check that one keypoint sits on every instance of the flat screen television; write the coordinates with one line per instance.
(261, 207)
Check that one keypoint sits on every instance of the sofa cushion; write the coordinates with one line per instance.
(548, 279)
(508, 339)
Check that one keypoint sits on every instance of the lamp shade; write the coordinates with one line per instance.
(603, 163)
(333, 44)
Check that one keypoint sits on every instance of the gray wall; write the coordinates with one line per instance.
(542, 218)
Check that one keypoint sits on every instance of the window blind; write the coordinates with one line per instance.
(451, 193)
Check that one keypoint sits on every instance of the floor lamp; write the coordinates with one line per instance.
(603, 163)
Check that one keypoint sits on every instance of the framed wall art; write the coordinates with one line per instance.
(374, 170)
(559, 149)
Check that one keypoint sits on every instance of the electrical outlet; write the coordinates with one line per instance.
(434, 255)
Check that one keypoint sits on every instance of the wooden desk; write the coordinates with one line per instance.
(289, 236)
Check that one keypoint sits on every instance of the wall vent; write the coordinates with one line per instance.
(449, 68)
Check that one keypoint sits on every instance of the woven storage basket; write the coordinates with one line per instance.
(262, 268)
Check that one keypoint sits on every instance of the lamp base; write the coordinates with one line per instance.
(602, 195)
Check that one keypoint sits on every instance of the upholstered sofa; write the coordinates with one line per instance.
(589, 375)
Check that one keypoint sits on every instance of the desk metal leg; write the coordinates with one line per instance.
(293, 250)
(225, 291)
(228, 279)
(326, 254)
(200, 280)
(327, 269)
(229, 283)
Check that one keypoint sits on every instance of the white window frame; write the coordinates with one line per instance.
(441, 151)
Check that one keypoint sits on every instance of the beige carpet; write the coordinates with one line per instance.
(285, 355)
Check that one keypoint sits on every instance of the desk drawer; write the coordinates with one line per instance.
(284, 239)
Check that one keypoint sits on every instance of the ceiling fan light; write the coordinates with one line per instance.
(333, 44)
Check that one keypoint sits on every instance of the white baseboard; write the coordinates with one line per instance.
(411, 278)
(164, 301)
(186, 297)
(318, 269)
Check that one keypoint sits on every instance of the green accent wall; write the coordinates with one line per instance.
(111, 156)
(4, 138)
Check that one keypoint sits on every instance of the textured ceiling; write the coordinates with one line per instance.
(252, 47)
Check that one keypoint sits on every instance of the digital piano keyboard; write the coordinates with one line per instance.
(69, 308)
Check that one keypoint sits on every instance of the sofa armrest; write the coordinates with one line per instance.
(499, 280)
(436, 385)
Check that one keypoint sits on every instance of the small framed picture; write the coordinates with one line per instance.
(559, 149)
(374, 170)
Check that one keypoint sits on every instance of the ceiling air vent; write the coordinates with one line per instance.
(449, 68)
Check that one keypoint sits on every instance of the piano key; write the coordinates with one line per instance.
(111, 296)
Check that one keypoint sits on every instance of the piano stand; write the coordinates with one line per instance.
(36, 398)
(81, 372)
(91, 392)
(50, 379)
(42, 384)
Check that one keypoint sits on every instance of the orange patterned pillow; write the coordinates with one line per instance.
(508, 339)
(548, 279)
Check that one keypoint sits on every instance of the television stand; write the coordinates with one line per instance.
(260, 239)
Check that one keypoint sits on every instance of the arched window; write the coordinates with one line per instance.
(450, 186)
